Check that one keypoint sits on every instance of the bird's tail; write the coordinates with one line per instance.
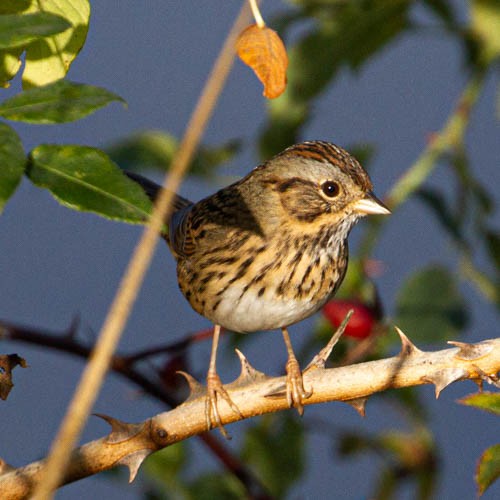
(152, 190)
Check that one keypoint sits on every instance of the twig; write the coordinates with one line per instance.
(171, 347)
(67, 342)
(93, 375)
(129, 444)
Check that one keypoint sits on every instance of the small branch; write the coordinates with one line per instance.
(483, 282)
(255, 394)
(171, 347)
(67, 342)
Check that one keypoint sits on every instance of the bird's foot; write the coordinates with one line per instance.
(295, 392)
(215, 392)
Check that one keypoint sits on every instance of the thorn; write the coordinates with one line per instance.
(133, 461)
(443, 378)
(359, 404)
(120, 431)
(279, 393)
(248, 373)
(468, 352)
(319, 361)
(479, 383)
(484, 377)
(72, 330)
(407, 346)
(196, 390)
(5, 467)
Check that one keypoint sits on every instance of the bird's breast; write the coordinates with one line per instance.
(264, 285)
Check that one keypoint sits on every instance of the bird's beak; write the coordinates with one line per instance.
(371, 205)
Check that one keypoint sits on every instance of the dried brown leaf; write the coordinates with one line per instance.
(263, 50)
(7, 363)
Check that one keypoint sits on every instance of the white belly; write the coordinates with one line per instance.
(248, 312)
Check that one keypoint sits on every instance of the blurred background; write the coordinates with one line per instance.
(56, 263)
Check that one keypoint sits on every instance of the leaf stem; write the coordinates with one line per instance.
(259, 20)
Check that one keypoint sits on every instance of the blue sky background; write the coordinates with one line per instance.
(55, 263)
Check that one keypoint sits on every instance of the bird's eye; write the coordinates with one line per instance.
(330, 189)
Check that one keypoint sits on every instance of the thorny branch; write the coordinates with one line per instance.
(126, 366)
(256, 394)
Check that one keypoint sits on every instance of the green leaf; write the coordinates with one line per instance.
(219, 486)
(164, 469)
(85, 179)
(488, 469)
(10, 63)
(263, 448)
(10, 60)
(443, 10)
(485, 24)
(489, 401)
(14, 6)
(151, 149)
(12, 162)
(154, 149)
(49, 59)
(436, 201)
(166, 463)
(429, 307)
(16, 30)
(58, 102)
(493, 245)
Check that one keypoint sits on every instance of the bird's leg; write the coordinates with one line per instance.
(295, 392)
(215, 389)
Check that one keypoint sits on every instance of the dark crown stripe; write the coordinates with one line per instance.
(321, 151)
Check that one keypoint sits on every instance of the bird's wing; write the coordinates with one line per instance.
(180, 237)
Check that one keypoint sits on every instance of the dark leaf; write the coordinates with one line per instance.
(263, 448)
(488, 401)
(154, 149)
(364, 153)
(14, 6)
(12, 163)
(493, 245)
(219, 486)
(488, 469)
(164, 470)
(443, 10)
(436, 201)
(16, 30)
(352, 443)
(58, 102)
(151, 149)
(410, 400)
(429, 307)
(85, 179)
(7, 363)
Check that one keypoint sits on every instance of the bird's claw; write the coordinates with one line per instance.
(215, 391)
(295, 391)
